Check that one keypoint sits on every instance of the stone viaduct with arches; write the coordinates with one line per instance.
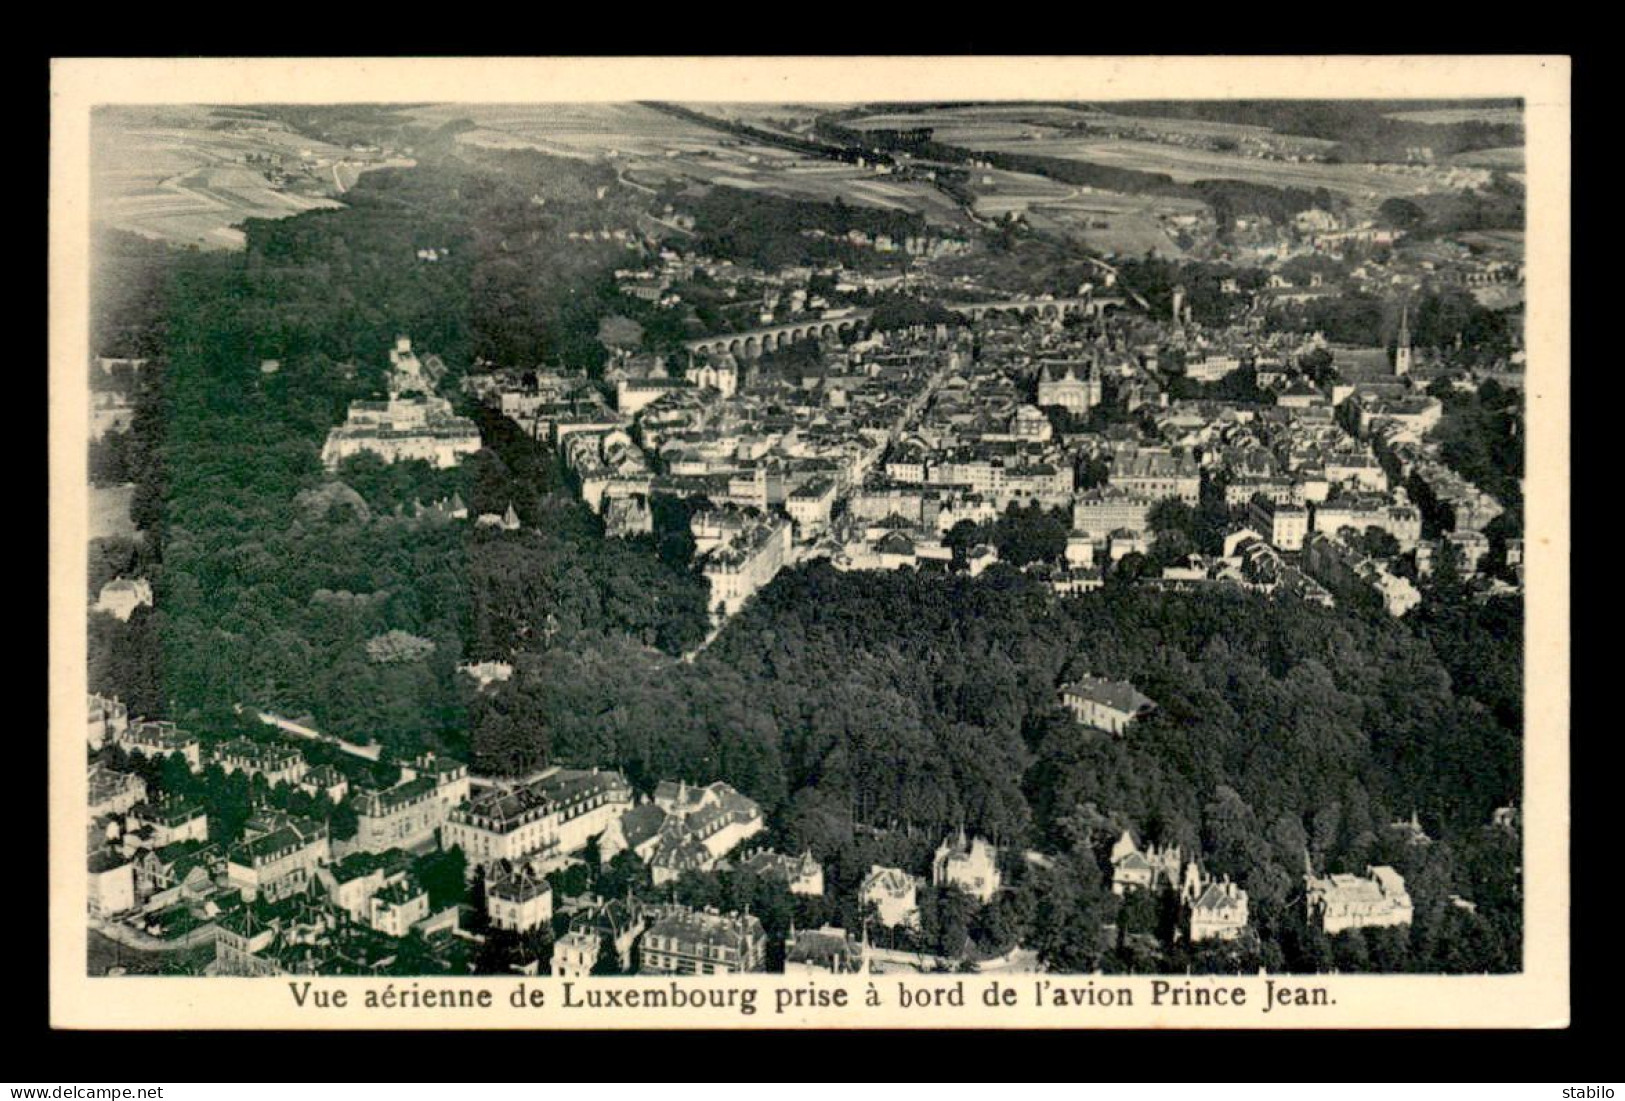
(751, 343)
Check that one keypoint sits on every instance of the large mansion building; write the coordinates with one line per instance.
(412, 423)
(558, 812)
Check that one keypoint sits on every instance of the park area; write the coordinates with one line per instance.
(106, 956)
(110, 512)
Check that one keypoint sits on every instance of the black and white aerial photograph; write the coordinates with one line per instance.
(672, 538)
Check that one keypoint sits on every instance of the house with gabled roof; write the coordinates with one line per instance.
(325, 781)
(681, 941)
(402, 903)
(620, 921)
(575, 954)
(801, 874)
(279, 861)
(168, 821)
(1150, 868)
(1105, 704)
(351, 883)
(114, 792)
(684, 828)
(970, 865)
(1216, 909)
(519, 901)
(185, 872)
(894, 894)
(121, 596)
(825, 950)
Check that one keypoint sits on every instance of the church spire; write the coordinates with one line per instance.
(1402, 349)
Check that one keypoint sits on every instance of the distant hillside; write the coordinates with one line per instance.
(1364, 129)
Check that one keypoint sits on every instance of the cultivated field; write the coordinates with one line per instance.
(654, 148)
(790, 118)
(1504, 243)
(1106, 220)
(1447, 115)
(1505, 156)
(583, 129)
(183, 173)
(976, 126)
(1186, 165)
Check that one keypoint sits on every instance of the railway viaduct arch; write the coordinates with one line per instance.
(752, 343)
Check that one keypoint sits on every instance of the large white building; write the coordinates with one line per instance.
(556, 813)
(278, 764)
(159, 738)
(1403, 522)
(685, 829)
(278, 858)
(1157, 474)
(411, 423)
(681, 941)
(1099, 512)
(1376, 900)
(411, 814)
(121, 596)
(1073, 386)
(520, 901)
(1284, 525)
(748, 562)
(1105, 704)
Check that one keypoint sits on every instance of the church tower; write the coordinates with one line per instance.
(1402, 350)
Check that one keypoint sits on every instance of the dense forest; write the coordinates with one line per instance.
(1446, 320)
(771, 231)
(270, 575)
(871, 713)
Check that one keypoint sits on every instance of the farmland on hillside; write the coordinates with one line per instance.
(1445, 116)
(192, 175)
(972, 126)
(656, 148)
(1508, 157)
(1186, 165)
(1106, 220)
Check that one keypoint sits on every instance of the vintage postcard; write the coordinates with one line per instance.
(819, 543)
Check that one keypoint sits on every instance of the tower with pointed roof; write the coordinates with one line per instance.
(1402, 350)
